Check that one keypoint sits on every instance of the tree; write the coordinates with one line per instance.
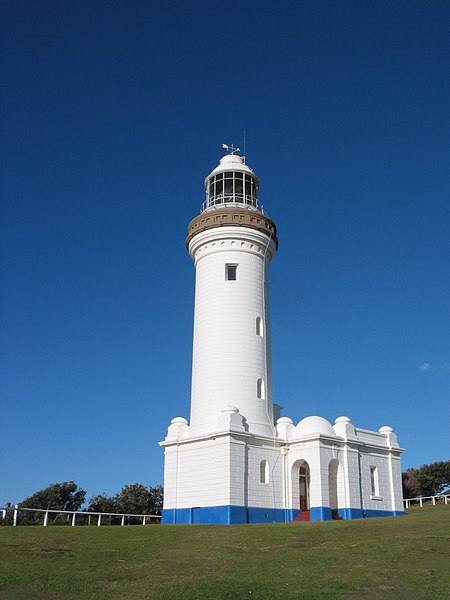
(427, 480)
(157, 498)
(58, 496)
(102, 503)
(410, 484)
(434, 478)
(134, 499)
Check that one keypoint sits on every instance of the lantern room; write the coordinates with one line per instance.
(232, 183)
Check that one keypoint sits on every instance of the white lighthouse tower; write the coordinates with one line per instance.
(236, 461)
(231, 244)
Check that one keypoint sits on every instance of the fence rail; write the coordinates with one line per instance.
(16, 510)
(421, 499)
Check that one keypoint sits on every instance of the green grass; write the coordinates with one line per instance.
(405, 557)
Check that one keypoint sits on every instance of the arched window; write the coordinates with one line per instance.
(260, 388)
(259, 326)
(264, 471)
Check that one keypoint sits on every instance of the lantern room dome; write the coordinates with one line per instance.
(232, 162)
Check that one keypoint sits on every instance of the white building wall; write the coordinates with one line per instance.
(270, 493)
(170, 476)
(342, 496)
(228, 355)
(382, 500)
(352, 478)
(397, 490)
(198, 474)
(222, 471)
(238, 472)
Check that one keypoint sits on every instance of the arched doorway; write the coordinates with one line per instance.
(300, 493)
(333, 484)
(303, 486)
(300, 490)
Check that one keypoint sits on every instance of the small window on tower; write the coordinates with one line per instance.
(259, 326)
(231, 272)
(260, 388)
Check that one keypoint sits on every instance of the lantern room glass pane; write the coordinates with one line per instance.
(248, 189)
(228, 187)
(239, 187)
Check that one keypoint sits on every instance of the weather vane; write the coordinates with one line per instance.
(231, 149)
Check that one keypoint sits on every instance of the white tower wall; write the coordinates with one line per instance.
(229, 354)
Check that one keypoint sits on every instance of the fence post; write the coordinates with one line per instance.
(143, 521)
(433, 500)
(446, 499)
(421, 502)
(99, 522)
(73, 519)
(46, 518)
(123, 520)
(15, 515)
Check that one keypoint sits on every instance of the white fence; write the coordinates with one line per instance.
(72, 515)
(421, 499)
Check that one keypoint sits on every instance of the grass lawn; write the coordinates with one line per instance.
(405, 557)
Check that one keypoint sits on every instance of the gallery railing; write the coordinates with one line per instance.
(233, 200)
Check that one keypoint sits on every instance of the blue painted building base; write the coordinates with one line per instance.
(320, 513)
(227, 515)
(358, 513)
(237, 515)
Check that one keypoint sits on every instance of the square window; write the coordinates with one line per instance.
(231, 272)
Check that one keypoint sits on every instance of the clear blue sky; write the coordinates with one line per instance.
(113, 113)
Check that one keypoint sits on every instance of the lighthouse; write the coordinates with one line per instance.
(231, 243)
(237, 460)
